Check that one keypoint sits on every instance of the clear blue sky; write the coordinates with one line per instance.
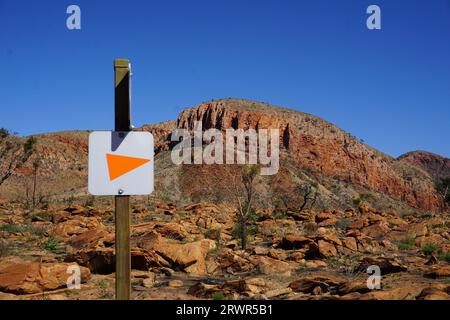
(389, 87)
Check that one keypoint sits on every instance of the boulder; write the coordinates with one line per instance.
(187, 257)
(433, 239)
(436, 272)
(261, 251)
(292, 242)
(350, 243)
(34, 277)
(359, 286)
(202, 208)
(417, 229)
(102, 260)
(314, 264)
(76, 210)
(326, 249)
(270, 266)
(358, 224)
(278, 254)
(203, 290)
(166, 208)
(324, 216)
(297, 255)
(308, 284)
(386, 265)
(435, 293)
(91, 239)
(249, 285)
(299, 216)
(175, 283)
(377, 230)
(60, 216)
(274, 293)
(328, 222)
(171, 230)
(75, 226)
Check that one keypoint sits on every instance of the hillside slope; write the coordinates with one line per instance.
(313, 151)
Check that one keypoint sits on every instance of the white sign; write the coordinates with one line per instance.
(120, 163)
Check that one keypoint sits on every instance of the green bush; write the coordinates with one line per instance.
(405, 214)
(36, 230)
(362, 198)
(11, 228)
(429, 248)
(218, 295)
(51, 245)
(407, 243)
(29, 144)
(89, 202)
(4, 133)
(445, 257)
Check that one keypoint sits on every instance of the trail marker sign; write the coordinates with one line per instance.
(120, 163)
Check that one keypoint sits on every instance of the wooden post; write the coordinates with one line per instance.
(122, 203)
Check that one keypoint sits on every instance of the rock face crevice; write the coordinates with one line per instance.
(317, 145)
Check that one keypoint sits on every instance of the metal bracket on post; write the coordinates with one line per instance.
(122, 72)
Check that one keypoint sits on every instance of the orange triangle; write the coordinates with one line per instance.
(120, 165)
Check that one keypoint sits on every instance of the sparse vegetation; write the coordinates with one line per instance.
(52, 245)
(104, 292)
(218, 295)
(246, 214)
(36, 230)
(89, 201)
(70, 200)
(343, 224)
(444, 190)
(363, 197)
(404, 214)
(309, 192)
(4, 247)
(310, 228)
(110, 217)
(11, 228)
(429, 248)
(29, 145)
(15, 162)
(445, 257)
(407, 243)
(4, 133)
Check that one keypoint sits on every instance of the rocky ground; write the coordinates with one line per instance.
(189, 252)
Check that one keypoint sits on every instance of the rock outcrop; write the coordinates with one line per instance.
(34, 277)
(314, 144)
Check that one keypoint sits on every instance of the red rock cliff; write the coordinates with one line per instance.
(315, 144)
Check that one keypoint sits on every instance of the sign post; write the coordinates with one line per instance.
(121, 165)
(122, 203)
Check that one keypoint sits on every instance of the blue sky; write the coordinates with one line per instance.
(390, 87)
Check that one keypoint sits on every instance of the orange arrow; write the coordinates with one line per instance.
(120, 165)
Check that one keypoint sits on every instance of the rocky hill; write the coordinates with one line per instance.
(315, 152)
(435, 165)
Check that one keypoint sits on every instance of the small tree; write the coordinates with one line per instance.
(363, 197)
(35, 173)
(15, 162)
(244, 197)
(309, 193)
(444, 190)
(4, 133)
